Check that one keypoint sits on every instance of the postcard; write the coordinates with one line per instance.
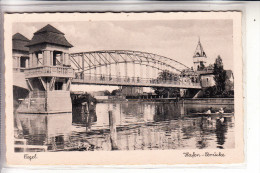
(124, 88)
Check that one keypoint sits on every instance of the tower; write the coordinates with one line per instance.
(20, 52)
(49, 73)
(199, 58)
(20, 62)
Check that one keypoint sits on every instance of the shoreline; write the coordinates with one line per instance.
(214, 101)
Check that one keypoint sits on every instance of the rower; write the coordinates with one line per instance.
(221, 110)
(209, 111)
(221, 119)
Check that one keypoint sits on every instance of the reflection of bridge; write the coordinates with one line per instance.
(127, 68)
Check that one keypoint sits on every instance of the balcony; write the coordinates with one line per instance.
(47, 71)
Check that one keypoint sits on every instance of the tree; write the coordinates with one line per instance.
(165, 92)
(220, 75)
(116, 92)
(107, 93)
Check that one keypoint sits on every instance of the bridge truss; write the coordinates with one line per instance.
(123, 67)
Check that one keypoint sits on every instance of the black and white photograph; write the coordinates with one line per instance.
(115, 85)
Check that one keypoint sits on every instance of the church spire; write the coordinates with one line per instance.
(199, 57)
(199, 52)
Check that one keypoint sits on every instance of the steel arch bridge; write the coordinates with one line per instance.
(127, 68)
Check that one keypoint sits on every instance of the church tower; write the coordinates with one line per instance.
(199, 58)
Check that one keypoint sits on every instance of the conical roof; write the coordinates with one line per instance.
(19, 42)
(199, 52)
(51, 35)
(19, 36)
(49, 28)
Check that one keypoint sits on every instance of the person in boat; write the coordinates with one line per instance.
(221, 111)
(209, 111)
(221, 119)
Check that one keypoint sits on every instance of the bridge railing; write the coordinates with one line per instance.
(55, 71)
(130, 80)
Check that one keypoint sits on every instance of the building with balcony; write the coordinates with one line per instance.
(48, 72)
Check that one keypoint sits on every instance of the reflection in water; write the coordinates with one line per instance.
(140, 126)
(52, 130)
(221, 129)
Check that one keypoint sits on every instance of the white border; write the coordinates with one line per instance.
(251, 86)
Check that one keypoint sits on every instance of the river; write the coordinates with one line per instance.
(140, 126)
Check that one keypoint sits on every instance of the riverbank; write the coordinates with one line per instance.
(214, 101)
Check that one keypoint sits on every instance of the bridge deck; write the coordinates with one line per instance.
(140, 83)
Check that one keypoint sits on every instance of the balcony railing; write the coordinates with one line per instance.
(19, 69)
(46, 71)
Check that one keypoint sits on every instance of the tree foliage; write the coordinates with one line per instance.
(116, 92)
(78, 99)
(167, 75)
(107, 93)
(220, 75)
(165, 92)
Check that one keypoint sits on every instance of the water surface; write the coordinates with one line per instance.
(140, 126)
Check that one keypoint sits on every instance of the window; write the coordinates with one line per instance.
(23, 62)
(57, 58)
(58, 85)
(39, 56)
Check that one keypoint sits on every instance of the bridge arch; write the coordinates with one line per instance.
(113, 60)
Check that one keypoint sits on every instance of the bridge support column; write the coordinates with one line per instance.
(134, 71)
(154, 71)
(117, 71)
(141, 71)
(83, 67)
(147, 72)
(126, 71)
(95, 70)
(109, 66)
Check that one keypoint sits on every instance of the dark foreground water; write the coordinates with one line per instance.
(140, 126)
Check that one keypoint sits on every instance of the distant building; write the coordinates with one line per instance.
(98, 93)
(204, 73)
(132, 91)
(207, 78)
(199, 58)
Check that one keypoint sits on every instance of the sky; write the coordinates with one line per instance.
(176, 39)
